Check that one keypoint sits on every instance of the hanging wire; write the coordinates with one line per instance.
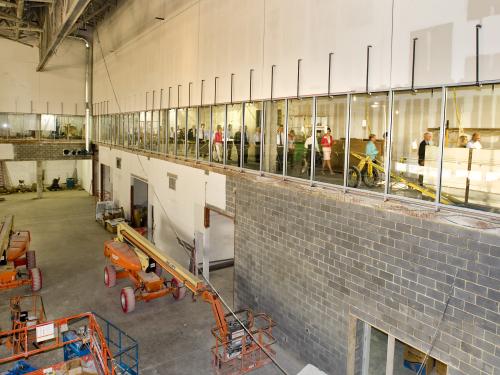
(438, 327)
(170, 224)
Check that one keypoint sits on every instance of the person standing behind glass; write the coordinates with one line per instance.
(218, 143)
(307, 155)
(230, 141)
(280, 143)
(290, 156)
(474, 142)
(327, 142)
(256, 141)
(462, 141)
(237, 144)
(427, 141)
(202, 140)
(370, 149)
(191, 139)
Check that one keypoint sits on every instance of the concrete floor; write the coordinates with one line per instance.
(174, 337)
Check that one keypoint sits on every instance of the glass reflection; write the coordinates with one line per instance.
(415, 143)
(181, 132)
(234, 135)
(253, 118)
(218, 121)
(300, 124)
(204, 134)
(274, 136)
(368, 141)
(330, 130)
(171, 131)
(192, 132)
(471, 159)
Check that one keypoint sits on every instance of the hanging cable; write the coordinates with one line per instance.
(438, 327)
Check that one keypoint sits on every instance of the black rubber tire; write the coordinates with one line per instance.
(36, 279)
(109, 276)
(180, 292)
(353, 177)
(127, 299)
(370, 181)
(30, 259)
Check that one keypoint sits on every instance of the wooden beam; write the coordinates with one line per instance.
(30, 29)
(62, 28)
(7, 4)
(18, 41)
(20, 12)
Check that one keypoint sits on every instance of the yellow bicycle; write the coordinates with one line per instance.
(367, 170)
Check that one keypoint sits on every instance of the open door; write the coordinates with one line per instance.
(139, 204)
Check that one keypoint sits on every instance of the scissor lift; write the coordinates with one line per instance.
(80, 338)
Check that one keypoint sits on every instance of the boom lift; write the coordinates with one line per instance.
(17, 261)
(242, 340)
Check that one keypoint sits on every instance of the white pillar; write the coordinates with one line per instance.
(39, 179)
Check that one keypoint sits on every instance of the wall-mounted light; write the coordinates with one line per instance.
(5, 125)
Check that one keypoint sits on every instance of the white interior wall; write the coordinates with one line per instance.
(183, 207)
(202, 39)
(59, 88)
(26, 170)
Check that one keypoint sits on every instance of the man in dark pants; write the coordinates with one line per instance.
(280, 143)
(421, 154)
(237, 143)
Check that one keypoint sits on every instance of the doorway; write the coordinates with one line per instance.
(139, 204)
(106, 183)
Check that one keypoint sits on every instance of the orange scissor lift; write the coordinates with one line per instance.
(238, 348)
(48, 337)
(17, 261)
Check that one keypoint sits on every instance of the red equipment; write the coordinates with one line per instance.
(49, 337)
(238, 348)
(17, 262)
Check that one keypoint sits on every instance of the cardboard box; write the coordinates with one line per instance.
(413, 359)
(441, 368)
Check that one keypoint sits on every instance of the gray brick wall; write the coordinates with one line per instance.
(312, 258)
(46, 151)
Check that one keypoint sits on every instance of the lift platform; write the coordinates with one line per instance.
(79, 344)
(243, 339)
(17, 261)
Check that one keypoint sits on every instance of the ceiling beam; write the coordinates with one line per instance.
(61, 23)
(7, 4)
(9, 17)
(20, 11)
(28, 28)
(18, 41)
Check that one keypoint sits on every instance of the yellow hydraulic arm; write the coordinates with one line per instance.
(125, 233)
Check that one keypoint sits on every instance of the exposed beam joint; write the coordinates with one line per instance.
(8, 4)
(29, 29)
(20, 11)
(59, 27)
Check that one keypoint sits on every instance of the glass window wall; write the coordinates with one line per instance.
(274, 136)
(217, 136)
(171, 131)
(155, 132)
(192, 132)
(471, 157)
(415, 143)
(163, 131)
(181, 132)
(368, 132)
(300, 127)
(331, 139)
(234, 135)
(253, 130)
(204, 134)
